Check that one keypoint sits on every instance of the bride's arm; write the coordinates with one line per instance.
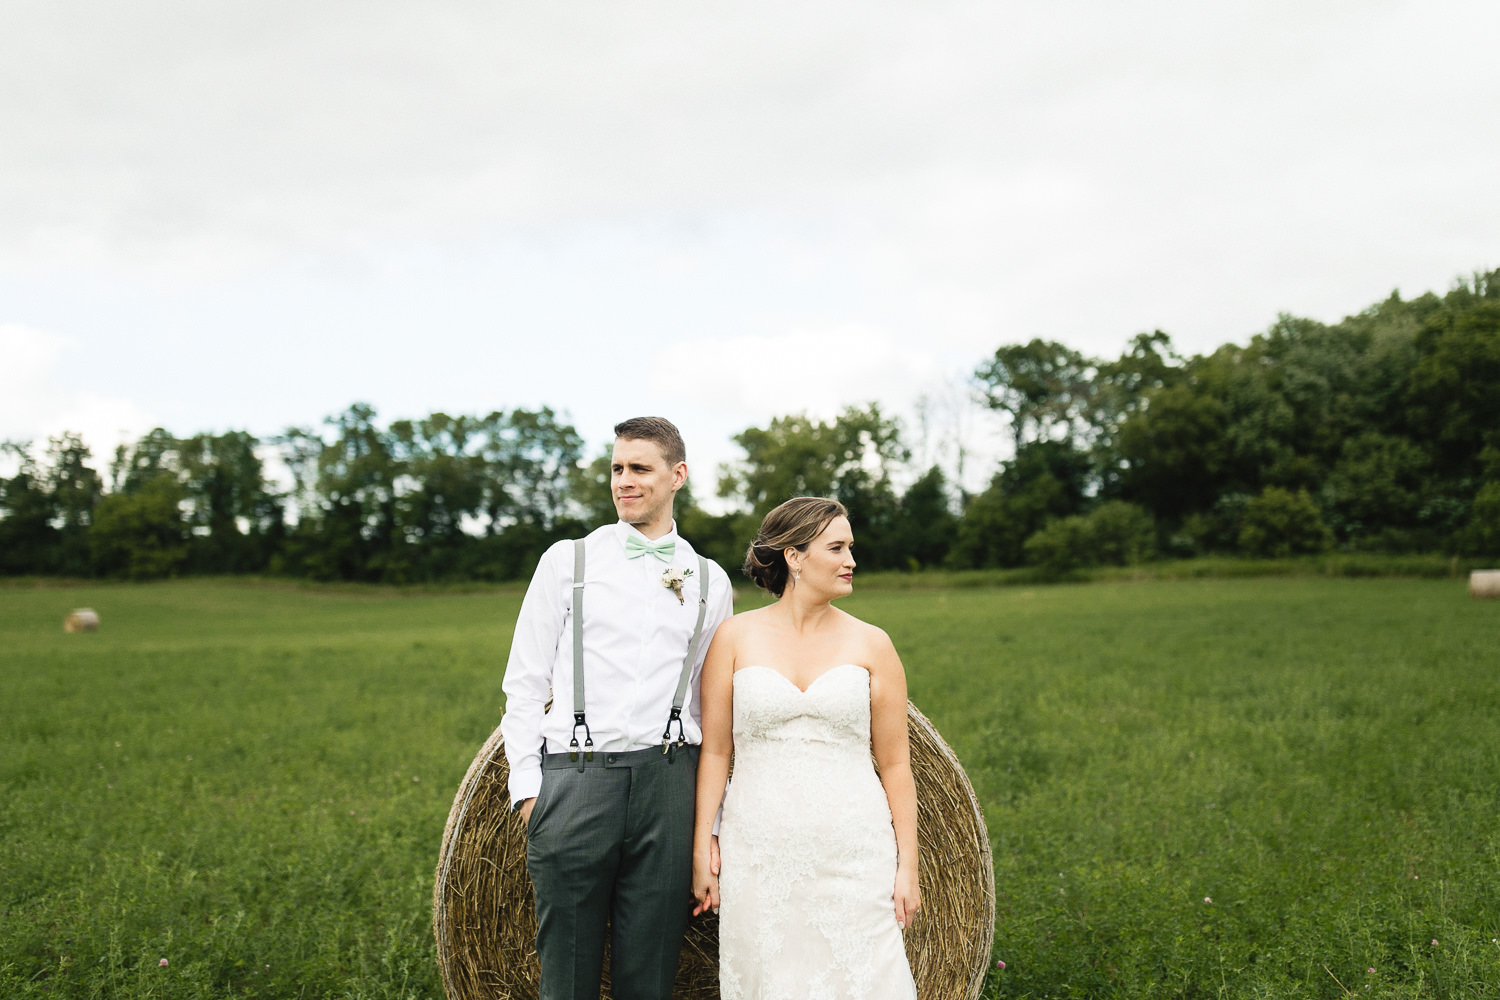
(716, 697)
(888, 739)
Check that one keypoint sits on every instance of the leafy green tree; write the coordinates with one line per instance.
(1481, 536)
(140, 534)
(73, 488)
(797, 456)
(531, 469)
(1041, 386)
(531, 473)
(29, 541)
(1174, 451)
(1454, 389)
(299, 449)
(74, 484)
(1281, 523)
(721, 537)
(1046, 480)
(1279, 411)
(1379, 483)
(874, 516)
(442, 481)
(153, 454)
(850, 459)
(350, 532)
(924, 527)
(1121, 388)
(542, 454)
(444, 496)
(1122, 534)
(1304, 377)
(1113, 534)
(1216, 530)
(233, 514)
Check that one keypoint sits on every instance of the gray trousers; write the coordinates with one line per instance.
(612, 845)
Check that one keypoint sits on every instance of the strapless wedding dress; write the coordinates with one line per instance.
(807, 848)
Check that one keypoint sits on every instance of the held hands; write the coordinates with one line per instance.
(706, 879)
(908, 896)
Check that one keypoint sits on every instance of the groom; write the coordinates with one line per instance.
(604, 778)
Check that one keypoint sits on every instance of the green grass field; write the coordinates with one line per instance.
(1238, 788)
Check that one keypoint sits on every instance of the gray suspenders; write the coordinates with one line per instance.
(687, 664)
(588, 737)
(667, 745)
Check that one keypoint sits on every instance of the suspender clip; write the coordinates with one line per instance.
(588, 740)
(666, 734)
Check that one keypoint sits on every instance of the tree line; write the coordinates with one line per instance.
(1377, 433)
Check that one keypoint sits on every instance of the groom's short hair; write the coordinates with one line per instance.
(658, 429)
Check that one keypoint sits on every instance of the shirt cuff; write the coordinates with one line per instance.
(524, 785)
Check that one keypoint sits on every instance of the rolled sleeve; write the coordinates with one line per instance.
(528, 672)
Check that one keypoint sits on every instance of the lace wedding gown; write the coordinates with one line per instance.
(807, 849)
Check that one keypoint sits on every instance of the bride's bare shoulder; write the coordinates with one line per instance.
(862, 628)
(743, 622)
(877, 645)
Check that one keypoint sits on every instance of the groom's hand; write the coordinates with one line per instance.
(526, 806)
(713, 855)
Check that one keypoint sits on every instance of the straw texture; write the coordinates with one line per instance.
(485, 923)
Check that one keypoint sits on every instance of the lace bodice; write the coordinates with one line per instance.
(834, 711)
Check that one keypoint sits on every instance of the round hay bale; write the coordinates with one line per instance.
(82, 620)
(485, 922)
(1484, 583)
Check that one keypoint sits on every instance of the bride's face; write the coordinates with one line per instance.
(827, 566)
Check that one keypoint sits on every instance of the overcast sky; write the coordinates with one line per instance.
(249, 215)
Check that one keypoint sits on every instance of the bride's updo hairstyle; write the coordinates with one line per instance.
(792, 525)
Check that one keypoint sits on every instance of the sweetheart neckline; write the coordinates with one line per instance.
(811, 684)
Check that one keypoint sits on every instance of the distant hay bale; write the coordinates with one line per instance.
(82, 620)
(1484, 583)
(485, 922)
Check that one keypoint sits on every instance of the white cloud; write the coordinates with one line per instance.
(257, 213)
(819, 371)
(37, 401)
(942, 131)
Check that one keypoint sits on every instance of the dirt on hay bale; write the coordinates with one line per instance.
(485, 921)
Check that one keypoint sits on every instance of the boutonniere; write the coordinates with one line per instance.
(672, 578)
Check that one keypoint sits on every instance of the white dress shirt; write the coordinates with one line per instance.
(635, 636)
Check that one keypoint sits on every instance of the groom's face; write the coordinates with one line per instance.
(641, 482)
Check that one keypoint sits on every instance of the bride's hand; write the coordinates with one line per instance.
(705, 892)
(908, 897)
(706, 880)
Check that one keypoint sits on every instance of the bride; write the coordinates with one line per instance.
(814, 869)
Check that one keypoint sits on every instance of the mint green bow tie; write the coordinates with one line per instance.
(662, 548)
